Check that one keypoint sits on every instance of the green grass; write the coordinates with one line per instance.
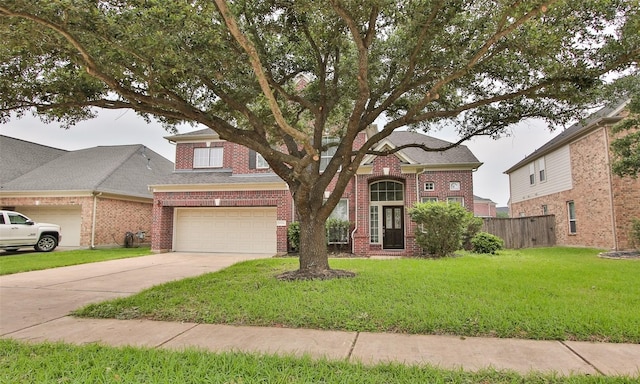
(552, 293)
(36, 261)
(60, 363)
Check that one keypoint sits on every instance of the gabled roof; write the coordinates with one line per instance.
(202, 134)
(459, 155)
(125, 169)
(18, 157)
(610, 114)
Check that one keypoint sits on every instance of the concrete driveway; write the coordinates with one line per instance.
(32, 298)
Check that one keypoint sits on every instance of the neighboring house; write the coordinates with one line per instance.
(223, 197)
(483, 207)
(570, 177)
(96, 195)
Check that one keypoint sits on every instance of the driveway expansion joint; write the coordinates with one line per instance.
(353, 346)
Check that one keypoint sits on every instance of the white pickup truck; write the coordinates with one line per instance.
(18, 231)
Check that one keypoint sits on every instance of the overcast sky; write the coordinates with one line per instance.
(125, 127)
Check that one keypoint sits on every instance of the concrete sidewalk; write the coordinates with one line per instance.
(34, 307)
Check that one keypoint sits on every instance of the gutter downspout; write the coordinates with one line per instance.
(355, 227)
(613, 208)
(93, 219)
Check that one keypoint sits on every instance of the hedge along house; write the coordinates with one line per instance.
(570, 177)
(96, 194)
(222, 197)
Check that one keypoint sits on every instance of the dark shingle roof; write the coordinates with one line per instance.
(218, 177)
(125, 169)
(576, 130)
(457, 155)
(18, 157)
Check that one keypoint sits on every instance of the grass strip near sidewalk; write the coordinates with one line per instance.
(60, 363)
(552, 294)
(24, 262)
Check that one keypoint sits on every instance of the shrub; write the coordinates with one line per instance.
(441, 226)
(484, 242)
(337, 231)
(472, 227)
(293, 235)
(634, 235)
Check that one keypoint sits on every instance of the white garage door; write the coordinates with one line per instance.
(226, 230)
(69, 218)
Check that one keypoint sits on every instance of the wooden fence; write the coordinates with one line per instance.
(523, 232)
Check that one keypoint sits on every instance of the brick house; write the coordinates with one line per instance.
(96, 195)
(483, 207)
(223, 197)
(570, 177)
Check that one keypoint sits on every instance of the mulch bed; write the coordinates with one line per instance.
(619, 255)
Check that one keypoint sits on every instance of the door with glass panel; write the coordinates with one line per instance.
(393, 227)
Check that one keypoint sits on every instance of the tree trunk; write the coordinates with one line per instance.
(313, 245)
(313, 256)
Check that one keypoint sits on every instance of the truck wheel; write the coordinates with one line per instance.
(47, 243)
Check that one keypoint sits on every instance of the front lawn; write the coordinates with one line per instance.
(24, 262)
(550, 293)
(60, 363)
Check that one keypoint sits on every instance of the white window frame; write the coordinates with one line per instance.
(454, 185)
(326, 156)
(339, 212)
(209, 157)
(430, 186)
(532, 173)
(571, 217)
(428, 199)
(455, 199)
(542, 170)
(545, 209)
(261, 163)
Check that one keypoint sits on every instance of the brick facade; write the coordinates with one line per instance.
(604, 203)
(114, 217)
(236, 158)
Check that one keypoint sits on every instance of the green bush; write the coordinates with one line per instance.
(441, 226)
(293, 234)
(484, 242)
(634, 235)
(337, 231)
(472, 226)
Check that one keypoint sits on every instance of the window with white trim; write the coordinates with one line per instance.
(456, 200)
(545, 209)
(571, 211)
(325, 156)
(261, 163)
(454, 186)
(373, 224)
(430, 186)
(428, 199)
(341, 210)
(207, 157)
(532, 173)
(542, 172)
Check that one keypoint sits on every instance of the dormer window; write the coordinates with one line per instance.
(207, 157)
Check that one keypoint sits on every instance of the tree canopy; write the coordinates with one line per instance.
(278, 75)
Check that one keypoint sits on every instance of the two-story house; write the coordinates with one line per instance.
(570, 177)
(223, 197)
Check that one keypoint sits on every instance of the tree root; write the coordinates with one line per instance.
(314, 274)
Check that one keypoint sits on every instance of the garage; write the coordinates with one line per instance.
(69, 218)
(225, 230)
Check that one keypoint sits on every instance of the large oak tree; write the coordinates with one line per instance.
(235, 66)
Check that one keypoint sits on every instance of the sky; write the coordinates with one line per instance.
(125, 127)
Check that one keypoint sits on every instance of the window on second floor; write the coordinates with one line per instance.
(429, 186)
(207, 157)
(542, 173)
(532, 174)
(325, 156)
(261, 163)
